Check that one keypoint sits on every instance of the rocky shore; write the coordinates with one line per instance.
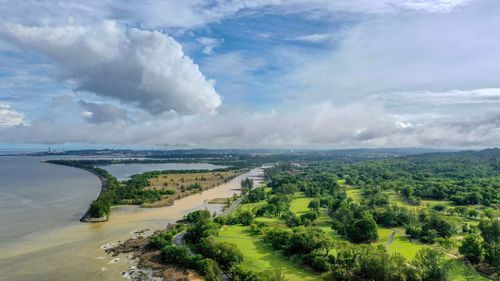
(144, 261)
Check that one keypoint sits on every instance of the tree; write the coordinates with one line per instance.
(224, 253)
(200, 230)
(363, 230)
(308, 218)
(211, 270)
(274, 275)
(99, 208)
(492, 253)
(256, 195)
(245, 217)
(490, 231)
(471, 248)
(196, 216)
(314, 205)
(430, 265)
(366, 262)
(247, 183)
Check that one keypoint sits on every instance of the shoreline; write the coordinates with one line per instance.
(51, 255)
(88, 219)
(104, 186)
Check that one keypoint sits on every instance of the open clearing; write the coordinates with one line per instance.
(299, 204)
(187, 183)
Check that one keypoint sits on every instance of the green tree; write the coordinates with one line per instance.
(197, 216)
(431, 265)
(363, 230)
(274, 275)
(224, 253)
(314, 205)
(471, 248)
(211, 270)
(245, 217)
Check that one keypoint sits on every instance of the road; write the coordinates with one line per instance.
(179, 238)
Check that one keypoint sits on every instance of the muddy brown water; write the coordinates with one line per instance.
(73, 251)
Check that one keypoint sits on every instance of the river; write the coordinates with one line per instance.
(50, 244)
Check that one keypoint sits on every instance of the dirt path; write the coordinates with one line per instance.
(391, 238)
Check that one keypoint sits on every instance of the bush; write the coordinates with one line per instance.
(430, 264)
(210, 270)
(198, 216)
(239, 274)
(471, 249)
(224, 253)
(363, 230)
(308, 218)
(439, 207)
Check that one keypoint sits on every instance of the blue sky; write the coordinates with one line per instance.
(236, 73)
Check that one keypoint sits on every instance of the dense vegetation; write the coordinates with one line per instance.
(417, 217)
(464, 178)
(417, 196)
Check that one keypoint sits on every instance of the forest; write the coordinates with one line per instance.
(420, 217)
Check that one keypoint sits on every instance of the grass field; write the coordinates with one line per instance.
(354, 194)
(299, 205)
(260, 256)
(462, 272)
(404, 246)
(383, 235)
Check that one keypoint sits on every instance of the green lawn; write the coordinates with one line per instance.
(271, 221)
(259, 256)
(250, 206)
(354, 194)
(432, 203)
(401, 244)
(299, 204)
(459, 271)
(404, 246)
(383, 234)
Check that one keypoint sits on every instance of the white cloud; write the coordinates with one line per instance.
(318, 125)
(408, 52)
(9, 117)
(101, 113)
(209, 44)
(316, 37)
(196, 13)
(143, 68)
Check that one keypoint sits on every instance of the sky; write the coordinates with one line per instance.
(247, 74)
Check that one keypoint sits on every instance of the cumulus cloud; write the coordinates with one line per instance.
(143, 68)
(319, 125)
(101, 113)
(9, 117)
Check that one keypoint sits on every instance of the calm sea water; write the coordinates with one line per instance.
(37, 197)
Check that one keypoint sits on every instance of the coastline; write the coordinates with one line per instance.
(88, 219)
(104, 185)
(78, 249)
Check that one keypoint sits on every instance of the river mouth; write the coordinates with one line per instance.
(75, 252)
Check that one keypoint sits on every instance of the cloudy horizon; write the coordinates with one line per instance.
(249, 74)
